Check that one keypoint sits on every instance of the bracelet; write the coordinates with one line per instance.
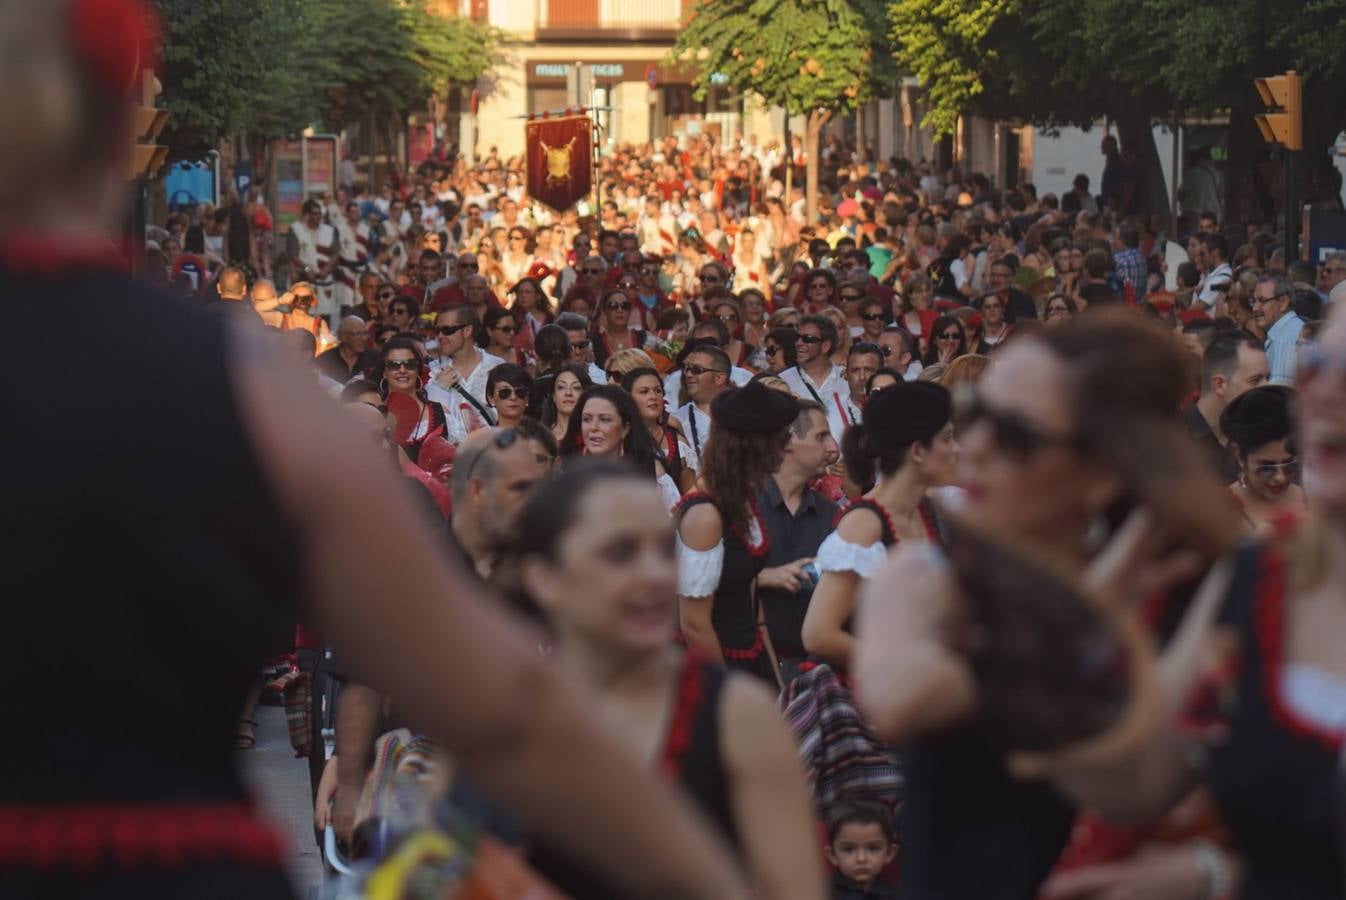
(1212, 863)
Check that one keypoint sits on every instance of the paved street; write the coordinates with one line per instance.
(280, 782)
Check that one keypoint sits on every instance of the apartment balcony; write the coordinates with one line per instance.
(610, 21)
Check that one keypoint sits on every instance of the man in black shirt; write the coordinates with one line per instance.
(1233, 363)
(797, 519)
(351, 355)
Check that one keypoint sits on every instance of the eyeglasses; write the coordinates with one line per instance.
(874, 317)
(770, 350)
(949, 336)
(518, 237)
(503, 440)
(712, 278)
(809, 339)
(614, 306)
(1268, 470)
(507, 329)
(697, 371)
(851, 298)
(470, 266)
(410, 365)
(730, 317)
(592, 271)
(509, 393)
(1057, 310)
(579, 345)
(1013, 435)
(399, 311)
(820, 285)
(1260, 301)
(613, 375)
(386, 295)
(448, 330)
(627, 285)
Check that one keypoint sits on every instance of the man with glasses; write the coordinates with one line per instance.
(1273, 310)
(705, 372)
(367, 304)
(1333, 273)
(899, 352)
(402, 313)
(814, 376)
(576, 328)
(1214, 253)
(351, 356)
(459, 371)
(1000, 279)
(593, 275)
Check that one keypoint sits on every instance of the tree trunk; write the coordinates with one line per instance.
(817, 119)
(1135, 130)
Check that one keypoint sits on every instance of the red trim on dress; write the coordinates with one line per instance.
(84, 837)
(760, 550)
(1269, 624)
(682, 728)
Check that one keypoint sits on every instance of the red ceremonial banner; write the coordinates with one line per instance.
(560, 160)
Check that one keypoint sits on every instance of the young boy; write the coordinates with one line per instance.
(860, 846)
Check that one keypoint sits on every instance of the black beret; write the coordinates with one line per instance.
(907, 412)
(754, 408)
(1258, 417)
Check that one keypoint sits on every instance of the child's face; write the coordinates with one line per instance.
(861, 851)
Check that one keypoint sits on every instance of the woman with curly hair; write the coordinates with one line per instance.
(722, 540)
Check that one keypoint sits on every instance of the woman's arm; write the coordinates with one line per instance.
(463, 668)
(908, 680)
(701, 530)
(770, 803)
(833, 601)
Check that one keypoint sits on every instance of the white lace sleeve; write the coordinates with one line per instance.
(699, 570)
(668, 490)
(839, 555)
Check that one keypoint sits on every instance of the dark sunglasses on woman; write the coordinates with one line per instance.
(509, 393)
(1013, 435)
(614, 306)
(411, 365)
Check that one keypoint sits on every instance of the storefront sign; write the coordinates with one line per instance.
(608, 70)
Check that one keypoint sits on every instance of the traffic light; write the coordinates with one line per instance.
(1282, 93)
(147, 157)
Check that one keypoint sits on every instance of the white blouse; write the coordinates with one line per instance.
(699, 570)
(1316, 695)
(839, 555)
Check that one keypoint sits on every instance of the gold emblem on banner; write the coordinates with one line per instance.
(558, 162)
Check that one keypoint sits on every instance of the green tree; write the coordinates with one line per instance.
(1054, 63)
(811, 57)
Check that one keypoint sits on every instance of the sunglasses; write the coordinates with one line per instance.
(448, 330)
(614, 306)
(1012, 434)
(507, 329)
(1268, 470)
(517, 237)
(579, 345)
(772, 351)
(697, 371)
(399, 311)
(1057, 310)
(509, 393)
(820, 285)
(809, 339)
(949, 336)
(613, 375)
(711, 278)
(502, 441)
(411, 365)
(851, 298)
(472, 267)
(874, 317)
(731, 317)
(592, 271)
(386, 295)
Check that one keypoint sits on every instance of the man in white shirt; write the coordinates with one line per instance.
(1218, 273)
(711, 331)
(706, 371)
(312, 252)
(814, 376)
(353, 241)
(459, 372)
(1273, 308)
(576, 328)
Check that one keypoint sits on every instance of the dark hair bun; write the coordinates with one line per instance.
(904, 414)
(1258, 417)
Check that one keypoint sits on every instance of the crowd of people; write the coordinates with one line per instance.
(939, 544)
(693, 416)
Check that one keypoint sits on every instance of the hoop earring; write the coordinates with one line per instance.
(383, 386)
(1243, 480)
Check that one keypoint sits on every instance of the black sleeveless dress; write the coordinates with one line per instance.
(734, 615)
(690, 757)
(1275, 776)
(149, 574)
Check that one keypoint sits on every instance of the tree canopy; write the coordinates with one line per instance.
(277, 66)
(809, 57)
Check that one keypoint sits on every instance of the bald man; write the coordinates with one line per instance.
(232, 285)
(351, 356)
(265, 302)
